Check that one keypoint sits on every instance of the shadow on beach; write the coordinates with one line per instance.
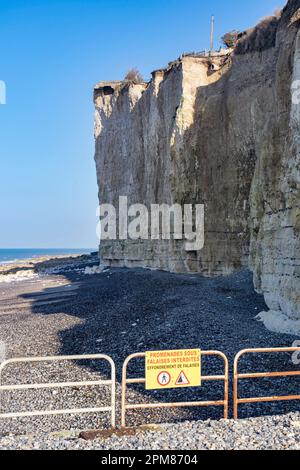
(125, 311)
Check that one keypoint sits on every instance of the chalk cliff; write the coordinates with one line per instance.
(223, 131)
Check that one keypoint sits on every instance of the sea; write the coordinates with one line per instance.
(9, 255)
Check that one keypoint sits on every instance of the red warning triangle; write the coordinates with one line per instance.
(182, 379)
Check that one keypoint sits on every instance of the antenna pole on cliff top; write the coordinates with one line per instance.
(212, 34)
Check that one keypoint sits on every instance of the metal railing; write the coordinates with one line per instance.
(129, 381)
(237, 401)
(126, 381)
(32, 386)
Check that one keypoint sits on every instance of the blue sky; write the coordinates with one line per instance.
(52, 53)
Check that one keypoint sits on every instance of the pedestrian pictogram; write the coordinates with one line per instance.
(163, 378)
(173, 369)
(182, 379)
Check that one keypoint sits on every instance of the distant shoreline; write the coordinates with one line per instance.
(13, 255)
(30, 268)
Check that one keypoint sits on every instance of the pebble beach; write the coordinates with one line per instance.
(67, 306)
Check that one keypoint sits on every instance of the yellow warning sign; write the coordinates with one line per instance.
(173, 369)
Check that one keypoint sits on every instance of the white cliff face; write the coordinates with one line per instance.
(146, 149)
(275, 237)
(227, 138)
(289, 284)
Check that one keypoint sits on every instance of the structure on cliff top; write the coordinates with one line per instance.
(222, 130)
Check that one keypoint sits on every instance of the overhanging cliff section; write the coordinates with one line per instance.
(221, 131)
(147, 148)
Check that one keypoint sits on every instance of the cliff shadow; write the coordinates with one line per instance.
(120, 312)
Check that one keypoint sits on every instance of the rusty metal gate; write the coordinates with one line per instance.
(126, 381)
(111, 382)
(237, 401)
(129, 381)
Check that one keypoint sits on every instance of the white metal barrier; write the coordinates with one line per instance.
(32, 386)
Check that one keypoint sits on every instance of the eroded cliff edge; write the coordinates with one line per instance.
(222, 131)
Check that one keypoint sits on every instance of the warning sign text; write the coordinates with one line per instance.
(173, 369)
